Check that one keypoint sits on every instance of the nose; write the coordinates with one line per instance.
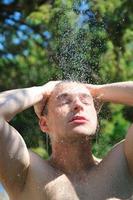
(77, 105)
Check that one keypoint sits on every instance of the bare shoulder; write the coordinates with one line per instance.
(34, 157)
(116, 162)
(38, 164)
(116, 155)
(116, 151)
(39, 174)
(40, 169)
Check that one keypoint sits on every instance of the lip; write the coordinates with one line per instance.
(78, 119)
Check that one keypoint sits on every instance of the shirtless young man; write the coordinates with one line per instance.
(72, 173)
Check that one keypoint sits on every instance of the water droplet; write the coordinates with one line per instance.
(87, 138)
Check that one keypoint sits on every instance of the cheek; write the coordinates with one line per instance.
(95, 120)
(56, 116)
(62, 112)
(93, 115)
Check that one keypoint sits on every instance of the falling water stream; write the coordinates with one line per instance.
(80, 44)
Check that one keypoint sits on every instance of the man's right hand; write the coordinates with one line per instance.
(46, 91)
(49, 87)
(21, 99)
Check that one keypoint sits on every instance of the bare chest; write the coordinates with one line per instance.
(97, 185)
(109, 180)
(96, 188)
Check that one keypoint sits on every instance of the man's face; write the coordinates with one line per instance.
(71, 112)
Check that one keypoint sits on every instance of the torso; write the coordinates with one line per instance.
(110, 179)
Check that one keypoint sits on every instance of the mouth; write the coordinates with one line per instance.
(78, 120)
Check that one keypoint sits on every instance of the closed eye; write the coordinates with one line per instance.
(86, 99)
(63, 99)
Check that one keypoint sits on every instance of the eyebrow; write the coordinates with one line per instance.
(63, 95)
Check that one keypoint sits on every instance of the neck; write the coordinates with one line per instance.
(72, 157)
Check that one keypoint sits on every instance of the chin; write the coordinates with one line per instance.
(84, 132)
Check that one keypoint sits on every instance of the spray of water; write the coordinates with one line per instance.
(80, 43)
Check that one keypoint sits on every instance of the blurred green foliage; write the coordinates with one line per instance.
(37, 45)
(41, 152)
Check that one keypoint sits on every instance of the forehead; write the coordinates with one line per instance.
(71, 88)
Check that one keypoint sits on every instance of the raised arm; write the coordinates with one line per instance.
(118, 93)
(121, 92)
(14, 156)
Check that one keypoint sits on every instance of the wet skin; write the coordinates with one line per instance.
(69, 101)
(110, 179)
(71, 118)
(71, 173)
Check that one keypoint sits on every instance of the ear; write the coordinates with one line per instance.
(43, 124)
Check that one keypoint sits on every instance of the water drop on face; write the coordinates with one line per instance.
(62, 141)
(87, 138)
